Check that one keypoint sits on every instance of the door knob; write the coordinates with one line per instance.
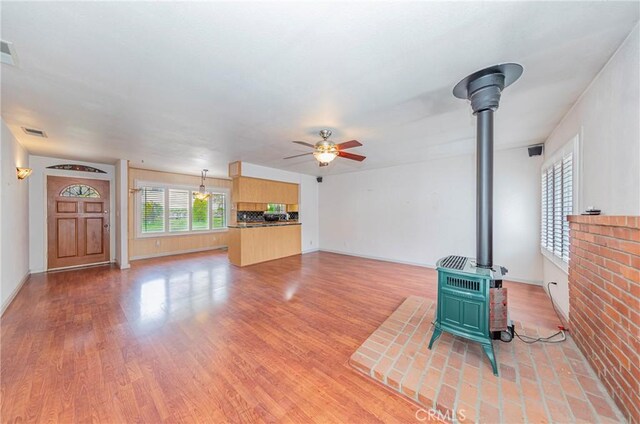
(106, 225)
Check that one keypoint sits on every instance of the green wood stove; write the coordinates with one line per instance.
(464, 284)
(464, 301)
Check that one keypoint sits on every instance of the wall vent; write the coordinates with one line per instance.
(34, 132)
(8, 53)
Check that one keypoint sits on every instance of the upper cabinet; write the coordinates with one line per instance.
(256, 190)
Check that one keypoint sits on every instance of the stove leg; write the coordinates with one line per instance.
(488, 349)
(434, 337)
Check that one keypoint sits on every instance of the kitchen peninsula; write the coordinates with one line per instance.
(265, 223)
(251, 243)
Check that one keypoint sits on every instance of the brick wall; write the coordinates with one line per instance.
(604, 300)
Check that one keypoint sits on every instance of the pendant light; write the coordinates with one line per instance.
(202, 194)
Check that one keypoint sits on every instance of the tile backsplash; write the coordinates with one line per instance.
(259, 216)
(250, 216)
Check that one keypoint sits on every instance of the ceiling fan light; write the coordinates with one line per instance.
(325, 157)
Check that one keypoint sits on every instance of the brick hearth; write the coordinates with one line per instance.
(538, 382)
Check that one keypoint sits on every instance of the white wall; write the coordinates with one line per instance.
(418, 213)
(607, 119)
(122, 212)
(14, 250)
(308, 199)
(38, 202)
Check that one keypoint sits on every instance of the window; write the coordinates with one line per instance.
(199, 214)
(152, 210)
(276, 207)
(165, 210)
(557, 202)
(218, 209)
(79, 190)
(179, 210)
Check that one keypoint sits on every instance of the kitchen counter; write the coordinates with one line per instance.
(252, 243)
(263, 224)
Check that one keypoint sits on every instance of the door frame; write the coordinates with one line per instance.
(112, 204)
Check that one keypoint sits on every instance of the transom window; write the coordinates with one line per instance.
(164, 210)
(79, 190)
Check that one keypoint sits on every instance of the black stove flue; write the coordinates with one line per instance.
(483, 89)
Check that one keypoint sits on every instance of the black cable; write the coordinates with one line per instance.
(553, 304)
(532, 340)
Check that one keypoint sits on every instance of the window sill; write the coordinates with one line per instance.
(182, 233)
(564, 267)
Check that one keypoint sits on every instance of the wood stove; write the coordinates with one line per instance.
(465, 284)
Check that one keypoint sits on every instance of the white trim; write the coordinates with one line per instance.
(310, 251)
(14, 293)
(420, 264)
(176, 252)
(166, 233)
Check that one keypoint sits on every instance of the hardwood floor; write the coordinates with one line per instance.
(193, 338)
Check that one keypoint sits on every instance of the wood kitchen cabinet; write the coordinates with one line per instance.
(257, 190)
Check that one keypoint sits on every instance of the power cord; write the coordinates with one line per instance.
(549, 339)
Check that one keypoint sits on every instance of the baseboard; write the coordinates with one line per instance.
(178, 252)
(420, 264)
(310, 251)
(14, 293)
(379, 258)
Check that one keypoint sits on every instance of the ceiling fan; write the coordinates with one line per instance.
(325, 151)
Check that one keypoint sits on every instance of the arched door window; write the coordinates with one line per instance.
(79, 190)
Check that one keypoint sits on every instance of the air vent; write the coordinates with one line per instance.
(7, 53)
(34, 132)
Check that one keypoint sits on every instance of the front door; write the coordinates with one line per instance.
(77, 221)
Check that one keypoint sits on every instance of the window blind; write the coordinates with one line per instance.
(179, 210)
(557, 203)
(152, 214)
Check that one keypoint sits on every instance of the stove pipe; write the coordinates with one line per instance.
(483, 88)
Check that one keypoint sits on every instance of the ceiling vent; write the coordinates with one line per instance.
(34, 132)
(8, 53)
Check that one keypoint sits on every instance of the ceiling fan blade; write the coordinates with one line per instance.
(304, 143)
(352, 156)
(348, 144)
(297, 156)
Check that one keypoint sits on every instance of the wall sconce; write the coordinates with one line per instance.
(23, 172)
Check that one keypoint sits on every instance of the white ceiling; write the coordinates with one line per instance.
(185, 86)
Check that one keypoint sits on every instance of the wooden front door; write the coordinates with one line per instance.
(77, 221)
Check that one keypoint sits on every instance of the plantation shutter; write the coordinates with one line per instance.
(557, 203)
(567, 202)
(178, 210)
(543, 212)
(557, 208)
(152, 210)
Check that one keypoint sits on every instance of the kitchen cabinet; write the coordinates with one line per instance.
(245, 206)
(257, 190)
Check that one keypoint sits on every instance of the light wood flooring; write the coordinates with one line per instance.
(192, 338)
